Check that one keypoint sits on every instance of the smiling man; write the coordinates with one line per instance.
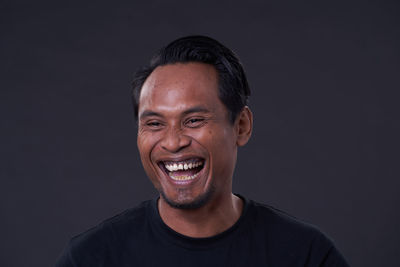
(192, 113)
(188, 147)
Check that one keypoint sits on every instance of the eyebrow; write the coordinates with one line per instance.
(149, 113)
(198, 109)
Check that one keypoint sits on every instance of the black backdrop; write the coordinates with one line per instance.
(323, 77)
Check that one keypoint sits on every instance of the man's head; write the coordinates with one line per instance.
(188, 135)
(233, 88)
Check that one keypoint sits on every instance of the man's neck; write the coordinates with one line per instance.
(209, 220)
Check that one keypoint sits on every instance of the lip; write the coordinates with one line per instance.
(177, 159)
(164, 171)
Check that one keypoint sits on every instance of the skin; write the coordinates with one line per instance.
(181, 117)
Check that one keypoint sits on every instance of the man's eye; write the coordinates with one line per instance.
(195, 122)
(153, 124)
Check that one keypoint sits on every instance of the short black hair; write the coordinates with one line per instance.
(232, 82)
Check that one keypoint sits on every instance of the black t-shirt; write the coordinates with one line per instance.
(263, 236)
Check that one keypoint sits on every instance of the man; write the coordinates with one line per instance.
(191, 106)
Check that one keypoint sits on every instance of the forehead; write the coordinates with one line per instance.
(180, 86)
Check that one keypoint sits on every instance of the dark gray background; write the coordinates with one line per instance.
(324, 77)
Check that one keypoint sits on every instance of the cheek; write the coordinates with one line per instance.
(221, 138)
(145, 144)
(205, 138)
(215, 140)
(222, 147)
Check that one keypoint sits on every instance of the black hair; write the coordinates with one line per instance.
(232, 82)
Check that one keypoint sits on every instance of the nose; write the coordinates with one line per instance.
(174, 140)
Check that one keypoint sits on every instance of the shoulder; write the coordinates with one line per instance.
(288, 236)
(274, 220)
(131, 218)
(106, 237)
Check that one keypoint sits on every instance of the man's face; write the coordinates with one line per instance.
(186, 142)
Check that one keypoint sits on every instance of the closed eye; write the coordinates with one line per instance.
(153, 125)
(195, 122)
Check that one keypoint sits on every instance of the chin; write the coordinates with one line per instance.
(185, 202)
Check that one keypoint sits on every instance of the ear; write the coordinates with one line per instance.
(244, 126)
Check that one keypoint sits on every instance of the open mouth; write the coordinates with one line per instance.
(183, 170)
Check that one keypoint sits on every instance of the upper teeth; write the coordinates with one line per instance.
(182, 166)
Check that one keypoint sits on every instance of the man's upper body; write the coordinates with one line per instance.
(263, 236)
(191, 106)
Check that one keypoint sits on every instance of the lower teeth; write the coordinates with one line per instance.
(182, 177)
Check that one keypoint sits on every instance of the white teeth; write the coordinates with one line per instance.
(182, 166)
(182, 177)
